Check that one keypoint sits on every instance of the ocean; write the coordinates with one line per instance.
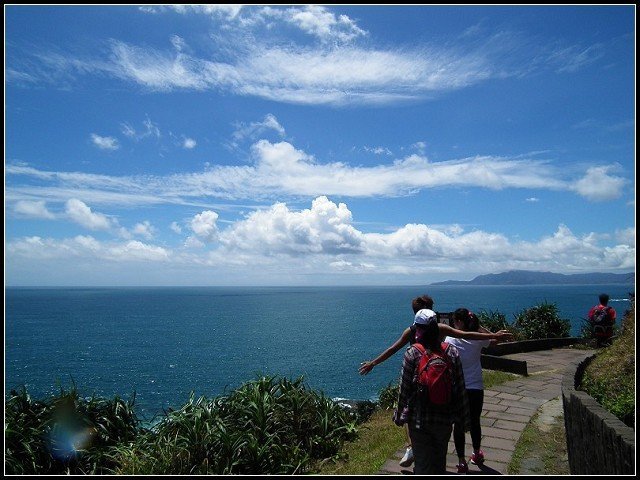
(164, 343)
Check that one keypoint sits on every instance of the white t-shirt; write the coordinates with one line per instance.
(470, 351)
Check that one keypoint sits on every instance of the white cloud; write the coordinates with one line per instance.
(378, 150)
(135, 250)
(204, 225)
(175, 227)
(317, 21)
(81, 214)
(261, 59)
(144, 229)
(149, 129)
(599, 185)
(193, 242)
(223, 11)
(254, 129)
(86, 247)
(105, 143)
(325, 228)
(626, 236)
(189, 143)
(322, 239)
(280, 169)
(36, 209)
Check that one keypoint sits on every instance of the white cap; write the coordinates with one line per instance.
(425, 317)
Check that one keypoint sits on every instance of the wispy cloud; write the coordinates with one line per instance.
(253, 130)
(279, 169)
(335, 71)
(105, 143)
(149, 129)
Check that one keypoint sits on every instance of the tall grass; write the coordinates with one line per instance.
(66, 434)
(270, 425)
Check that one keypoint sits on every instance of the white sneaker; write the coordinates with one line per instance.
(408, 458)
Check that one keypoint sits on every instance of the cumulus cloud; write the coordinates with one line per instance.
(144, 229)
(626, 236)
(599, 185)
(323, 239)
(35, 209)
(81, 214)
(105, 143)
(324, 228)
(204, 225)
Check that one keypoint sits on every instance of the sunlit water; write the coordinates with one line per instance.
(164, 343)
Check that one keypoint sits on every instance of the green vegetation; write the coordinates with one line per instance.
(540, 321)
(610, 376)
(540, 451)
(267, 426)
(379, 438)
(65, 435)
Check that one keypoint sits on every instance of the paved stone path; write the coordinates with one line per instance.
(507, 410)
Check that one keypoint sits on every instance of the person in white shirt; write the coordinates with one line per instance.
(470, 351)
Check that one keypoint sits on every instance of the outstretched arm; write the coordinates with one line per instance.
(500, 336)
(367, 366)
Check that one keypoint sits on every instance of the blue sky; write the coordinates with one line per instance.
(316, 145)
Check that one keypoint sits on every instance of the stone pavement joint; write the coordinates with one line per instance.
(507, 409)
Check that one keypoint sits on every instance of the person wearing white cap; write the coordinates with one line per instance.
(430, 421)
(408, 337)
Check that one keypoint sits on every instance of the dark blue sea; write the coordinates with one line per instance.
(163, 343)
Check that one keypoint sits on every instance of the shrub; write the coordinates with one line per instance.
(66, 434)
(388, 397)
(541, 321)
(267, 426)
(494, 320)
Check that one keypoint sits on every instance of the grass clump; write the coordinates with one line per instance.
(610, 376)
(540, 451)
(268, 426)
(67, 434)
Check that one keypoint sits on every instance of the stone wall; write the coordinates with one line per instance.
(597, 442)
(509, 348)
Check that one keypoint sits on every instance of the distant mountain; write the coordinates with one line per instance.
(526, 277)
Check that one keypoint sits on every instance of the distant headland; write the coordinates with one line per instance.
(527, 277)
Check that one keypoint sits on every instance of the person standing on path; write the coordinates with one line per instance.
(430, 423)
(408, 337)
(602, 318)
(470, 352)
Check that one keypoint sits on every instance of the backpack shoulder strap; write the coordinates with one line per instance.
(420, 347)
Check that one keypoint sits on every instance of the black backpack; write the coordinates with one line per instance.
(601, 321)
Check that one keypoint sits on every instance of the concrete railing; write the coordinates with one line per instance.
(597, 442)
(508, 348)
(492, 356)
